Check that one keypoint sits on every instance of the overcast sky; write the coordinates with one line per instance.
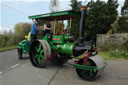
(14, 11)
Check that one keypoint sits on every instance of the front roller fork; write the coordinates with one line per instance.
(90, 67)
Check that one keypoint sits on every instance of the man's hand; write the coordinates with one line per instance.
(41, 32)
(36, 26)
(48, 28)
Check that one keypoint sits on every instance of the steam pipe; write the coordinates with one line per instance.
(82, 25)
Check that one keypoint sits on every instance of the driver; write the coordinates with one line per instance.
(34, 31)
(47, 28)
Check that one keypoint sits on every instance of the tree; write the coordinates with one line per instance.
(124, 10)
(111, 12)
(115, 26)
(75, 23)
(75, 5)
(122, 22)
(6, 38)
(123, 25)
(100, 16)
(21, 29)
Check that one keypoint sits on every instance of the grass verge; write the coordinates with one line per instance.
(109, 56)
(7, 48)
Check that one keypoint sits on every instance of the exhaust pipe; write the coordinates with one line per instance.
(82, 25)
(81, 46)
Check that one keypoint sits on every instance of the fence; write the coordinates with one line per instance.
(113, 40)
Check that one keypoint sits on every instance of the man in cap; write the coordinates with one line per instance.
(34, 30)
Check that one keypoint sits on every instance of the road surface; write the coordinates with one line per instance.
(9, 60)
(20, 72)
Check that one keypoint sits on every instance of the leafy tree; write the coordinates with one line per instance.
(2, 41)
(123, 25)
(115, 26)
(21, 29)
(122, 22)
(75, 23)
(124, 10)
(75, 5)
(100, 16)
(111, 12)
(6, 38)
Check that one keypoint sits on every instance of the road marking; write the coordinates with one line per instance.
(15, 65)
(0, 72)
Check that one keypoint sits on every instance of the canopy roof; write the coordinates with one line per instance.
(62, 15)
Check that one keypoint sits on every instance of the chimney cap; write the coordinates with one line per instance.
(83, 7)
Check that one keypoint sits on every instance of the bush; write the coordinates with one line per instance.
(109, 47)
(116, 51)
(119, 54)
(7, 40)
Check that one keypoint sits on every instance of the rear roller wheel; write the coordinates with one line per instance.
(39, 52)
(87, 74)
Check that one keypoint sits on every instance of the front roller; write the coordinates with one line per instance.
(95, 66)
(39, 53)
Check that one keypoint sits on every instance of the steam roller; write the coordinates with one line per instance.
(59, 48)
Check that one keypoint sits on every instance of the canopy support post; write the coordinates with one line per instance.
(62, 26)
(58, 28)
(54, 30)
(70, 23)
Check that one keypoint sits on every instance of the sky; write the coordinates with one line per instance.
(15, 11)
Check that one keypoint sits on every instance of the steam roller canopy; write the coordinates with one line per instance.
(95, 66)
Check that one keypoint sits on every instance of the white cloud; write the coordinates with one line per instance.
(20, 0)
(18, 5)
(64, 5)
(3, 29)
(15, 3)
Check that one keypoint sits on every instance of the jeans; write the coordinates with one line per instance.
(33, 37)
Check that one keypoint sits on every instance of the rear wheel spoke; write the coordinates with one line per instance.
(38, 47)
(36, 55)
(90, 72)
(41, 54)
(39, 60)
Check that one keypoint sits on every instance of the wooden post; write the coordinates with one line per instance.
(70, 22)
(62, 26)
(54, 30)
(58, 28)
(70, 25)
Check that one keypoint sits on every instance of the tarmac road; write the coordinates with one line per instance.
(9, 60)
(116, 73)
(21, 72)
